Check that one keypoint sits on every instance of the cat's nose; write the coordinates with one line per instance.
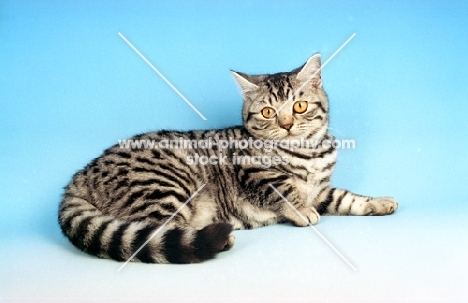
(285, 121)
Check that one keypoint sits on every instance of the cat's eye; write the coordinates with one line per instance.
(300, 107)
(268, 112)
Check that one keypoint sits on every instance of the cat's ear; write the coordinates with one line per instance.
(311, 71)
(244, 82)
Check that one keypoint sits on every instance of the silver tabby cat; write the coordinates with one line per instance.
(125, 197)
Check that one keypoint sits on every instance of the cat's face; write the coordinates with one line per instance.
(289, 105)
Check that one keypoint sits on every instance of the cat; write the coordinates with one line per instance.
(180, 205)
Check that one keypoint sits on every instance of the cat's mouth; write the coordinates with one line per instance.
(292, 133)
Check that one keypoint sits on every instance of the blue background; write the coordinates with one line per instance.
(71, 87)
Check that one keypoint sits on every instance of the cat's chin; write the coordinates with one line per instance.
(287, 135)
(280, 135)
(292, 135)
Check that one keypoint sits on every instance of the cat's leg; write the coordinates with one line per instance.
(335, 201)
(276, 192)
(289, 206)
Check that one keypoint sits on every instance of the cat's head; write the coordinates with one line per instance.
(288, 105)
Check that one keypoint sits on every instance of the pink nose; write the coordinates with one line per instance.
(287, 126)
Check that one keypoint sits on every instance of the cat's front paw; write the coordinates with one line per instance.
(306, 216)
(382, 206)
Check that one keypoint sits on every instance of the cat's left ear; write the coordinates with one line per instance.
(311, 71)
(244, 83)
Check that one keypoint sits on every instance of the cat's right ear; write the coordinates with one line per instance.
(244, 83)
(311, 71)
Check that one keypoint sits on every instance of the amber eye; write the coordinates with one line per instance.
(300, 107)
(268, 112)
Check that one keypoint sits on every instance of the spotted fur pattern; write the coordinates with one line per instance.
(125, 197)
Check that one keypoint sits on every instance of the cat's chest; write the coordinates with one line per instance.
(314, 166)
(314, 175)
(309, 175)
(309, 187)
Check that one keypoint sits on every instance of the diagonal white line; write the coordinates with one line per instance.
(315, 229)
(161, 227)
(318, 71)
(162, 76)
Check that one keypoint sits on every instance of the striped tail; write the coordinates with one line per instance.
(109, 237)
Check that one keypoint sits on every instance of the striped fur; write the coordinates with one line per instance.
(125, 197)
